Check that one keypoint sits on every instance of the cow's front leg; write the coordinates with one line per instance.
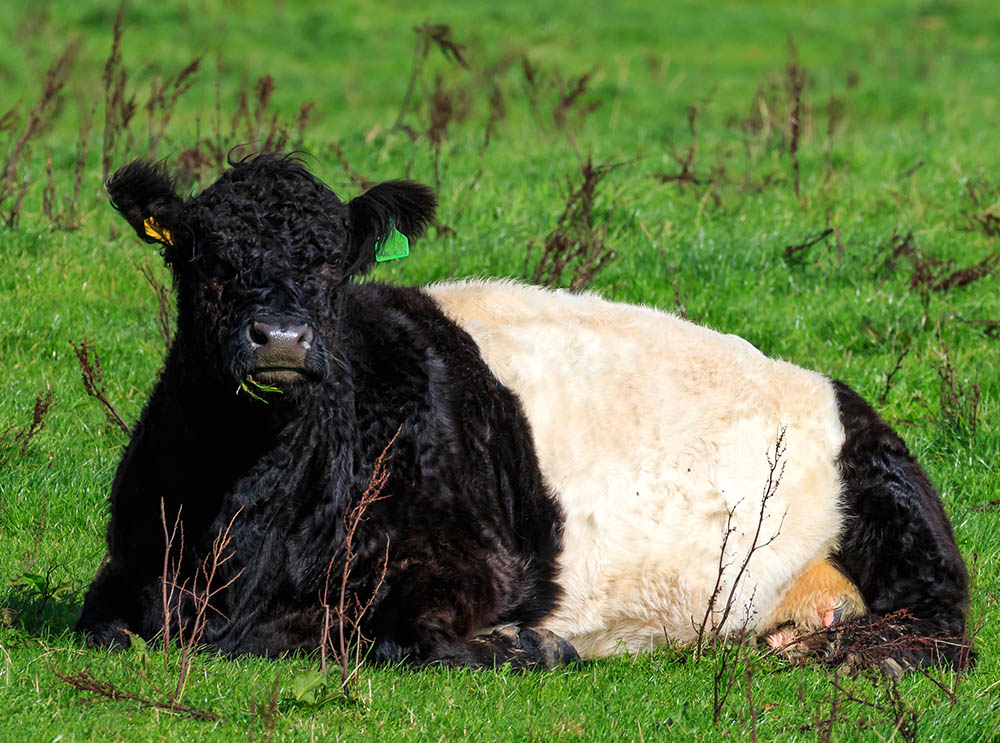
(108, 611)
(461, 607)
(520, 647)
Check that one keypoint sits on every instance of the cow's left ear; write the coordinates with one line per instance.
(394, 205)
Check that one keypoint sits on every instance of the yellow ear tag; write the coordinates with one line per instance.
(157, 232)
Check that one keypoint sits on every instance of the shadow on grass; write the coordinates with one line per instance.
(40, 613)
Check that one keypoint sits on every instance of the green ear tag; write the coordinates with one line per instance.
(395, 245)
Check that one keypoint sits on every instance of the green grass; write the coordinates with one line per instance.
(915, 85)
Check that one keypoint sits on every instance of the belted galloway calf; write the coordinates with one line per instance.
(566, 475)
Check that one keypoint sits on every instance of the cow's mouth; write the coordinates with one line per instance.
(277, 375)
(266, 383)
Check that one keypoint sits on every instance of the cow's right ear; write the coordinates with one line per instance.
(144, 193)
(394, 205)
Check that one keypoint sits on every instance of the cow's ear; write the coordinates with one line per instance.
(376, 215)
(144, 193)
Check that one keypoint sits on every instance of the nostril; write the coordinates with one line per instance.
(258, 333)
(305, 337)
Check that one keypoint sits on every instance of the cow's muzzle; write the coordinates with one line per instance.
(280, 349)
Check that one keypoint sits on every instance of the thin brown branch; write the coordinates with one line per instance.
(13, 187)
(889, 377)
(575, 246)
(792, 252)
(824, 728)
(93, 382)
(776, 470)
(727, 654)
(968, 275)
(571, 98)
(795, 81)
(357, 179)
(164, 311)
(428, 35)
(903, 718)
(353, 519)
(163, 98)
(717, 588)
(37, 423)
(119, 106)
(85, 681)
(687, 172)
(31, 557)
(167, 596)
(748, 690)
(959, 398)
(201, 600)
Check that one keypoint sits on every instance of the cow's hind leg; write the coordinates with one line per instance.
(819, 599)
(819, 596)
(897, 546)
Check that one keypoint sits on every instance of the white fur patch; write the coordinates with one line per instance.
(650, 429)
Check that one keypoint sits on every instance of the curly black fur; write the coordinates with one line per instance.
(471, 530)
(896, 542)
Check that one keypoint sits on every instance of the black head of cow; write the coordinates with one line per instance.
(258, 258)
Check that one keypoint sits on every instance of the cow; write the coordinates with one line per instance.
(565, 477)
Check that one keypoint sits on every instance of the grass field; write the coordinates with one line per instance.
(822, 179)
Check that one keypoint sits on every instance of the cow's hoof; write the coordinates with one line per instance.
(894, 668)
(538, 648)
(108, 637)
(552, 650)
(795, 642)
(817, 639)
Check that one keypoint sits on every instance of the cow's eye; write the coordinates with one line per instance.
(218, 270)
(330, 270)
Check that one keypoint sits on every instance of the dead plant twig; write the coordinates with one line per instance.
(32, 428)
(263, 127)
(13, 186)
(428, 35)
(959, 399)
(575, 246)
(164, 313)
(965, 276)
(889, 377)
(357, 179)
(163, 97)
(995, 503)
(793, 252)
(687, 172)
(119, 105)
(903, 718)
(202, 601)
(727, 655)
(68, 218)
(93, 382)
(571, 98)
(351, 609)
(84, 681)
(776, 470)
(795, 77)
